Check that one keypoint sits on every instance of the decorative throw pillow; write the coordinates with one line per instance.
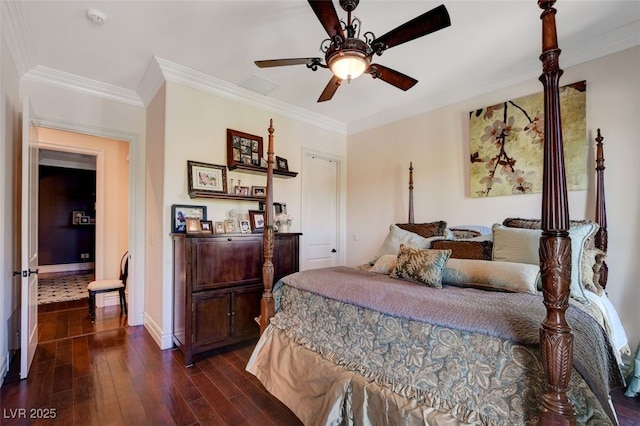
(422, 266)
(465, 234)
(492, 275)
(385, 264)
(521, 246)
(466, 249)
(590, 267)
(397, 236)
(426, 230)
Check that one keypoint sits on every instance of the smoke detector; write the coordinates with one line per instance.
(96, 16)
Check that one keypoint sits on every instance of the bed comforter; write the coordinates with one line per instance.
(468, 353)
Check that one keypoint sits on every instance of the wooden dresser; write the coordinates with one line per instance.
(217, 287)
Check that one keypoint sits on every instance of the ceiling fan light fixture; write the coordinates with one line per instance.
(348, 66)
(349, 60)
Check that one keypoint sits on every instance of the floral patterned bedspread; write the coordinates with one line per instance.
(486, 369)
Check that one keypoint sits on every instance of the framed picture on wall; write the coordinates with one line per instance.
(206, 178)
(180, 213)
(243, 148)
(256, 217)
(75, 217)
(193, 225)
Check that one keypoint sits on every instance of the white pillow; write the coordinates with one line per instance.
(385, 264)
(397, 236)
(492, 275)
(521, 246)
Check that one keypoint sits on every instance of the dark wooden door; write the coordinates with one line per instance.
(246, 307)
(211, 317)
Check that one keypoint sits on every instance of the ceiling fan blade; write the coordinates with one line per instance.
(330, 89)
(326, 13)
(431, 21)
(284, 62)
(393, 77)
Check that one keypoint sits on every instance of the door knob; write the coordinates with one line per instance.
(334, 251)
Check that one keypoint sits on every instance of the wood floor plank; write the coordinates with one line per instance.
(222, 406)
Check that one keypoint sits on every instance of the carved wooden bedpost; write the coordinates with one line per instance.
(602, 237)
(411, 219)
(556, 339)
(267, 307)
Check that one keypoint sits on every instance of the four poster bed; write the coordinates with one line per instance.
(353, 346)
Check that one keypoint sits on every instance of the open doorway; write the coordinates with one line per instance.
(66, 225)
(89, 230)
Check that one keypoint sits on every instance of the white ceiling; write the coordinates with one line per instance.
(490, 44)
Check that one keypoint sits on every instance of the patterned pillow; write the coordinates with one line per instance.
(426, 230)
(422, 266)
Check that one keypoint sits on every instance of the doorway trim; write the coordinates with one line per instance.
(136, 206)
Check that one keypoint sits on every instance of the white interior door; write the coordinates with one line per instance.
(320, 212)
(28, 241)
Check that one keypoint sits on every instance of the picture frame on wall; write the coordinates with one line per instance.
(257, 220)
(180, 213)
(243, 148)
(282, 164)
(277, 207)
(75, 217)
(206, 226)
(204, 178)
(245, 226)
(258, 191)
(219, 227)
(229, 226)
(192, 225)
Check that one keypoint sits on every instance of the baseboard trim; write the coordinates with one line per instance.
(67, 267)
(163, 340)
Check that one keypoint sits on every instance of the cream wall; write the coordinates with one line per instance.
(157, 295)
(112, 197)
(437, 143)
(10, 107)
(196, 123)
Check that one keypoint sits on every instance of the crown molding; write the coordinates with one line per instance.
(200, 81)
(64, 80)
(17, 36)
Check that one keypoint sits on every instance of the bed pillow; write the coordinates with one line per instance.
(385, 264)
(425, 230)
(521, 246)
(591, 263)
(591, 258)
(424, 266)
(397, 236)
(465, 249)
(492, 275)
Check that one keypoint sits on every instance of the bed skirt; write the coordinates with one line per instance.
(320, 392)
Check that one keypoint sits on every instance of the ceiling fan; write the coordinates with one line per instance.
(348, 56)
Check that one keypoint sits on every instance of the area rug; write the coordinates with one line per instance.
(63, 289)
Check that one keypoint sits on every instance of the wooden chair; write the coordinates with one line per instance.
(107, 286)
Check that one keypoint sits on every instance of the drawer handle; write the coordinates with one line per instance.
(229, 239)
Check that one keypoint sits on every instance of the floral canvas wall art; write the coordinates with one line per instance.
(506, 143)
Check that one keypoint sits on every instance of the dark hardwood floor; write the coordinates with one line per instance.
(110, 374)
